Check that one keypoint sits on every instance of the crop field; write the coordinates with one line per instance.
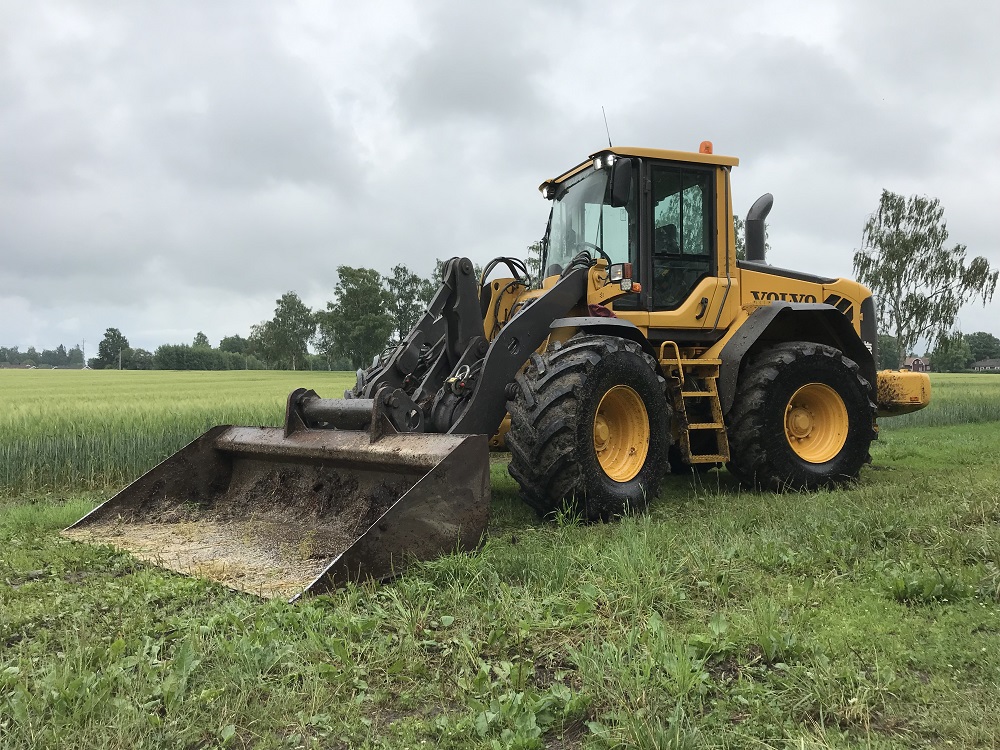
(864, 617)
(98, 429)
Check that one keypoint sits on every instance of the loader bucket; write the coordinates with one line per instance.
(280, 515)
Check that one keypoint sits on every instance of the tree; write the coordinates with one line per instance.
(141, 360)
(112, 350)
(428, 288)
(201, 341)
(283, 341)
(235, 344)
(54, 357)
(952, 354)
(983, 345)
(358, 324)
(405, 305)
(888, 352)
(185, 357)
(533, 262)
(75, 356)
(740, 232)
(919, 284)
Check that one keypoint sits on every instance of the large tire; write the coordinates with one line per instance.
(802, 418)
(590, 428)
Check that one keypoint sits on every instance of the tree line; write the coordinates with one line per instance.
(58, 357)
(369, 313)
(956, 353)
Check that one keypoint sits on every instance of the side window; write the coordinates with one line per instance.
(682, 241)
(611, 226)
(619, 237)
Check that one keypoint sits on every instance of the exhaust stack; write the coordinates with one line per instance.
(755, 227)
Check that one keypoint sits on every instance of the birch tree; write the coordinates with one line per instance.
(919, 282)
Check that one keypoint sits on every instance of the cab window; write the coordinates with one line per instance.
(682, 242)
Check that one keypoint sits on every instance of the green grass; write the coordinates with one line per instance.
(864, 617)
(63, 429)
(99, 429)
(955, 399)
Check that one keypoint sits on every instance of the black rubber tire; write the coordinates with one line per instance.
(551, 437)
(760, 453)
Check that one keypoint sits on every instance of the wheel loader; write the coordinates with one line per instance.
(643, 345)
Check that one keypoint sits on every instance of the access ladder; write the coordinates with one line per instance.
(690, 381)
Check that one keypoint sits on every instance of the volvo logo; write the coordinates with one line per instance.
(782, 296)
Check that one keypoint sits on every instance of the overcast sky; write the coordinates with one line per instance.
(170, 167)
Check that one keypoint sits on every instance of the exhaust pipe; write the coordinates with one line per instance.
(755, 228)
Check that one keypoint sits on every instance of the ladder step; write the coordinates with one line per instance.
(705, 363)
(716, 458)
(697, 394)
(707, 426)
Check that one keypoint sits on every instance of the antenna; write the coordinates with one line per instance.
(606, 128)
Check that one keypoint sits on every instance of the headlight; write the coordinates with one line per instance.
(620, 271)
(604, 160)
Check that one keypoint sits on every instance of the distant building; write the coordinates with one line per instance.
(986, 365)
(917, 364)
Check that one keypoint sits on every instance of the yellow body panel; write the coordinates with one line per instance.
(504, 293)
(900, 392)
(758, 289)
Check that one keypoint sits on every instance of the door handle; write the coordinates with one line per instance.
(704, 308)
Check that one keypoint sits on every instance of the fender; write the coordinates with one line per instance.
(607, 327)
(790, 321)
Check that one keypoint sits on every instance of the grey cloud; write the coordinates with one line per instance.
(474, 65)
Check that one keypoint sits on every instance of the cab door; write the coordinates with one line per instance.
(683, 280)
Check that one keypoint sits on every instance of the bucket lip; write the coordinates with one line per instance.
(408, 451)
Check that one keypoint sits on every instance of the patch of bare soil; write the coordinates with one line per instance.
(271, 533)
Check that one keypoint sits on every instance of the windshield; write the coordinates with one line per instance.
(582, 220)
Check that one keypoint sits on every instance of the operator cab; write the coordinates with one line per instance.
(653, 209)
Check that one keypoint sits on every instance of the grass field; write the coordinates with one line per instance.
(864, 617)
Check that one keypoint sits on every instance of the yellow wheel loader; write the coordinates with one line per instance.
(645, 346)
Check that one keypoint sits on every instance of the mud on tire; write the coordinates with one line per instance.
(772, 421)
(553, 421)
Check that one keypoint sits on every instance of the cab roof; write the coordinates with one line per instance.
(649, 153)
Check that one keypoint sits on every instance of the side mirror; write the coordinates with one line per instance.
(621, 183)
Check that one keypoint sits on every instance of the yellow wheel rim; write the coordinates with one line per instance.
(621, 433)
(816, 423)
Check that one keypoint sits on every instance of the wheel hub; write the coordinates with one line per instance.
(816, 423)
(602, 433)
(800, 422)
(621, 433)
